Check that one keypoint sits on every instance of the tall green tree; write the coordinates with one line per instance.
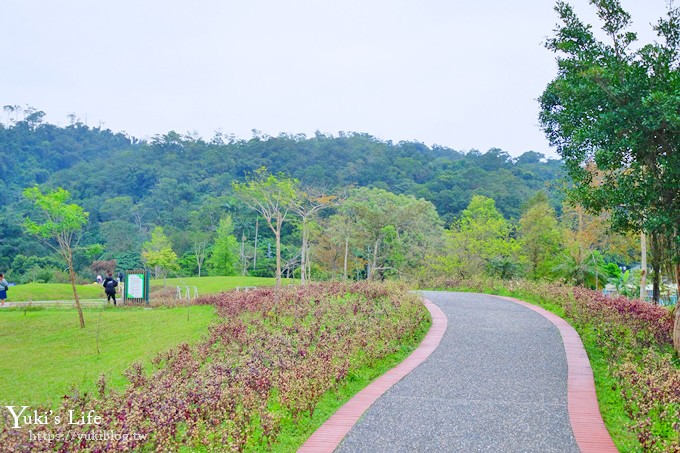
(224, 254)
(58, 227)
(272, 196)
(395, 231)
(613, 112)
(540, 235)
(158, 254)
(480, 242)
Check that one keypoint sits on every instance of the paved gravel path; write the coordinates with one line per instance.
(497, 382)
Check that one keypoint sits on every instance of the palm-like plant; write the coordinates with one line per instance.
(581, 267)
(626, 284)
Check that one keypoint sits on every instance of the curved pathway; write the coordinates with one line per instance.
(497, 382)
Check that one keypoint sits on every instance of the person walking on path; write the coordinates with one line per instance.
(4, 286)
(109, 285)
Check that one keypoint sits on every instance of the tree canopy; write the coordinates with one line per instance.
(613, 112)
(158, 254)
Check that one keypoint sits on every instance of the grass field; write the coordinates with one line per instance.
(212, 285)
(44, 352)
(53, 291)
(63, 291)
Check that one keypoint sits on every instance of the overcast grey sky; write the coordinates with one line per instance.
(462, 74)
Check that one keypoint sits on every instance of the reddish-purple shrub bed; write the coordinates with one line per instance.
(635, 339)
(272, 356)
(650, 325)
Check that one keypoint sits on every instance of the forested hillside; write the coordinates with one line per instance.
(95, 164)
(182, 182)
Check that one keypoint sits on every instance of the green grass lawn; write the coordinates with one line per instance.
(211, 285)
(63, 291)
(53, 291)
(44, 352)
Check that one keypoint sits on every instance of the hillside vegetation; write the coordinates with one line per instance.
(184, 183)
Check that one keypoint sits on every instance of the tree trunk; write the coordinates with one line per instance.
(303, 252)
(309, 262)
(371, 271)
(72, 275)
(277, 233)
(243, 254)
(656, 283)
(255, 252)
(643, 266)
(656, 267)
(346, 255)
(676, 327)
(199, 260)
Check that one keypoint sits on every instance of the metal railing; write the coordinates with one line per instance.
(245, 288)
(187, 292)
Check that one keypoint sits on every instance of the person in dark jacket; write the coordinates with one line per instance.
(109, 285)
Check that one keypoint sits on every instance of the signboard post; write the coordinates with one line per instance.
(136, 288)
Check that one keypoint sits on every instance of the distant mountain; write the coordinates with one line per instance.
(166, 178)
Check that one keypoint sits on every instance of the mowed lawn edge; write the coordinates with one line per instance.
(44, 353)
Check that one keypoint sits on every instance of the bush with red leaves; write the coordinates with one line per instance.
(272, 356)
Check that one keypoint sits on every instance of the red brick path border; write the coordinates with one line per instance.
(584, 413)
(330, 434)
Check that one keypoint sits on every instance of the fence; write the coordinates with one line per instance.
(187, 292)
